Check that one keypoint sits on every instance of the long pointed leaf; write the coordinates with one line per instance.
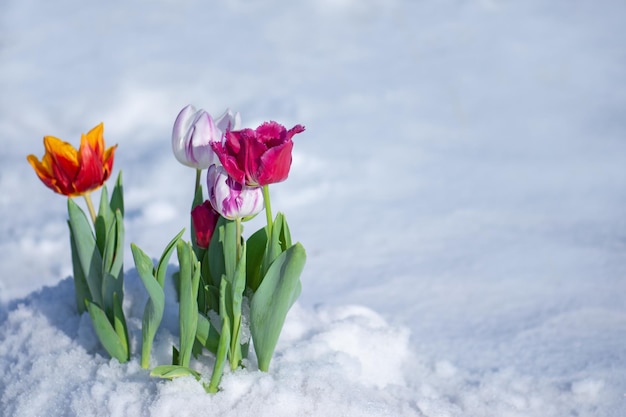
(223, 347)
(86, 249)
(272, 300)
(119, 324)
(174, 371)
(256, 245)
(188, 305)
(81, 289)
(165, 257)
(103, 219)
(207, 334)
(117, 197)
(113, 263)
(238, 287)
(153, 311)
(106, 333)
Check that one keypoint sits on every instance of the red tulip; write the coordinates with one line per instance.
(258, 157)
(204, 219)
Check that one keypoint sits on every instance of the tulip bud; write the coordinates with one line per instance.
(204, 219)
(230, 198)
(192, 135)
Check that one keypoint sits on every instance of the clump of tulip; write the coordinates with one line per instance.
(97, 246)
(233, 292)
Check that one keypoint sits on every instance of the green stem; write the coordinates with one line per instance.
(235, 348)
(197, 200)
(198, 173)
(238, 238)
(92, 212)
(268, 210)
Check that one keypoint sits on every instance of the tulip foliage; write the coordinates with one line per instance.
(98, 261)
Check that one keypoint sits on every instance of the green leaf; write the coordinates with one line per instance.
(153, 312)
(224, 343)
(119, 324)
(81, 289)
(165, 257)
(223, 250)
(106, 333)
(117, 267)
(228, 236)
(87, 251)
(238, 287)
(117, 197)
(270, 303)
(278, 243)
(256, 244)
(215, 254)
(113, 263)
(103, 219)
(188, 305)
(174, 371)
(207, 334)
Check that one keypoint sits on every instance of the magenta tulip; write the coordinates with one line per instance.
(258, 157)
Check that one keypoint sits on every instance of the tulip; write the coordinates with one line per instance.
(258, 157)
(72, 172)
(230, 198)
(193, 133)
(204, 218)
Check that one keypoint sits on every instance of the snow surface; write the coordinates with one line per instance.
(460, 190)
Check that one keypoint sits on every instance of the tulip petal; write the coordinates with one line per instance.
(63, 161)
(275, 164)
(43, 172)
(95, 138)
(227, 154)
(181, 127)
(228, 121)
(90, 174)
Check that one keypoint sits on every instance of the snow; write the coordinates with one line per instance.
(459, 190)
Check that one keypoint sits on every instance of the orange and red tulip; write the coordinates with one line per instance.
(72, 172)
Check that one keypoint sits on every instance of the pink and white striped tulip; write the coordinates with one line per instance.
(193, 133)
(230, 198)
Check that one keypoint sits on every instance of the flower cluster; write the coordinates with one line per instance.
(239, 162)
(260, 273)
(234, 293)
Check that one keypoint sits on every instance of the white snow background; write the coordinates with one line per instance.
(460, 190)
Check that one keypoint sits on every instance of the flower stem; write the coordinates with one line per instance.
(268, 210)
(92, 212)
(198, 173)
(238, 237)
